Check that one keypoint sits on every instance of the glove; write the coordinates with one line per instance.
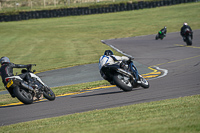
(129, 60)
(29, 66)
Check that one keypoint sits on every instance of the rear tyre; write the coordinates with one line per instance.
(122, 82)
(23, 95)
(189, 41)
(49, 94)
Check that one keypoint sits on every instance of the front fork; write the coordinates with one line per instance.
(134, 71)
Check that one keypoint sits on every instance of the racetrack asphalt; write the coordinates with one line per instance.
(183, 79)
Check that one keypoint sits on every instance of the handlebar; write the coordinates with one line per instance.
(29, 68)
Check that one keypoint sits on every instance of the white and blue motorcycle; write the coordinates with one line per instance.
(124, 75)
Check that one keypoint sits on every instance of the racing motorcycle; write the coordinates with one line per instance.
(187, 37)
(160, 35)
(124, 75)
(29, 91)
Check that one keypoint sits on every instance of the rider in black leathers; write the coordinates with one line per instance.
(164, 30)
(6, 70)
(183, 28)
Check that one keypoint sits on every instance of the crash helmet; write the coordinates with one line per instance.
(4, 60)
(165, 27)
(108, 53)
(185, 24)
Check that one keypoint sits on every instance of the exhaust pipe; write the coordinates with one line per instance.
(125, 73)
(27, 86)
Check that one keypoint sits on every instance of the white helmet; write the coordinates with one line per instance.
(185, 24)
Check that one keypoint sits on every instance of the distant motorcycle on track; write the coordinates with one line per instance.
(27, 92)
(187, 37)
(161, 34)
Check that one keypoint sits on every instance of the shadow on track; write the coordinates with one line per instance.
(107, 93)
(21, 104)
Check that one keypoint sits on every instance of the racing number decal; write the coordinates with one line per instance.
(9, 84)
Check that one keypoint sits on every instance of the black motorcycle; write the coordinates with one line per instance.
(124, 75)
(29, 91)
(188, 37)
(160, 35)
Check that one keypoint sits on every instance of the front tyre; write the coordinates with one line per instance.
(156, 37)
(23, 95)
(49, 94)
(122, 82)
(144, 83)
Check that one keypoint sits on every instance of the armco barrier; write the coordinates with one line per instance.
(86, 10)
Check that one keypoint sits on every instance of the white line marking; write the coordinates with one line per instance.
(165, 72)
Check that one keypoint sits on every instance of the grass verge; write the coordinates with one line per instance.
(179, 115)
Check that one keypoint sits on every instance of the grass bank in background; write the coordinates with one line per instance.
(63, 42)
(179, 115)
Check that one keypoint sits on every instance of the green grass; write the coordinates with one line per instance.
(179, 115)
(68, 41)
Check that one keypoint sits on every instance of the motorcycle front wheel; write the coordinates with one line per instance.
(122, 82)
(23, 95)
(49, 94)
(156, 37)
(144, 82)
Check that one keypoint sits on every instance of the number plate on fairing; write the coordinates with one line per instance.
(9, 84)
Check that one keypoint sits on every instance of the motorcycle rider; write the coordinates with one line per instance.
(183, 28)
(6, 70)
(108, 59)
(164, 30)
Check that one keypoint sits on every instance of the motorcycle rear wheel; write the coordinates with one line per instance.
(49, 94)
(23, 95)
(189, 41)
(121, 83)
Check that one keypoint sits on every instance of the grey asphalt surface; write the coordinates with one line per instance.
(183, 79)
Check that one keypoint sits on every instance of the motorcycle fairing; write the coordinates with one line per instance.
(35, 76)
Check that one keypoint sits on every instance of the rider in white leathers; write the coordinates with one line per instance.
(108, 59)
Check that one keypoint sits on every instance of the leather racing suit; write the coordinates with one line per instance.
(183, 31)
(6, 70)
(109, 60)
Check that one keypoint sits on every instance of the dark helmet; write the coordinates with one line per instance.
(108, 52)
(4, 60)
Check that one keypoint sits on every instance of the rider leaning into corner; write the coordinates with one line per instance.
(164, 30)
(108, 59)
(183, 28)
(6, 70)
